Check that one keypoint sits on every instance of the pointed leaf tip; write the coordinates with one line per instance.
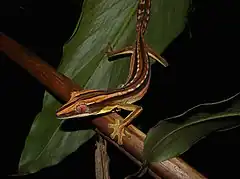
(173, 136)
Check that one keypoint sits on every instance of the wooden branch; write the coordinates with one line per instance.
(61, 86)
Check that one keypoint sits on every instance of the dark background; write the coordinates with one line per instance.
(202, 68)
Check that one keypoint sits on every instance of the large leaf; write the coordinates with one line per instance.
(173, 136)
(85, 62)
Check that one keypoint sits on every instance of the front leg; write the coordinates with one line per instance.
(119, 126)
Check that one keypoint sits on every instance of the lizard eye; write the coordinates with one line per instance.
(81, 108)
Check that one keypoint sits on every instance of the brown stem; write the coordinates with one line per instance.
(101, 159)
(61, 87)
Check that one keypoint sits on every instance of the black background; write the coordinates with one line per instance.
(202, 68)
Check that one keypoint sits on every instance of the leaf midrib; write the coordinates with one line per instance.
(219, 116)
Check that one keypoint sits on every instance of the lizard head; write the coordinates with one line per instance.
(81, 104)
(74, 110)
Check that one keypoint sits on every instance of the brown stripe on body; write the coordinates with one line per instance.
(128, 97)
(132, 68)
(135, 95)
(138, 65)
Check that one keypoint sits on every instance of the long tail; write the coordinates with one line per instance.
(143, 15)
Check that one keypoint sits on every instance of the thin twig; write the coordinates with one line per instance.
(101, 159)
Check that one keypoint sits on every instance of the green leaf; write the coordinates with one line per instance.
(173, 136)
(84, 61)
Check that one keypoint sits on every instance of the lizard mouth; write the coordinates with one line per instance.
(72, 116)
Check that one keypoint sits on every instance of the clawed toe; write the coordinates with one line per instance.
(118, 131)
